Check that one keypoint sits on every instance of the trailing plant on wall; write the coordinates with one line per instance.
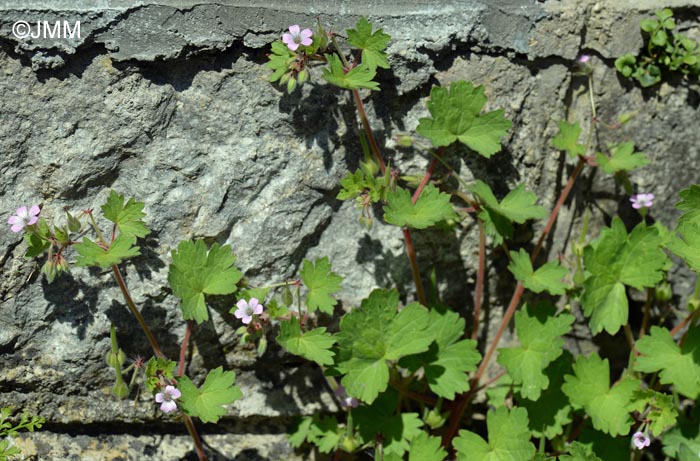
(412, 381)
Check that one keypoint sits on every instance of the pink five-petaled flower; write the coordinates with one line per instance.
(640, 440)
(167, 399)
(642, 200)
(297, 37)
(583, 59)
(345, 400)
(246, 309)
(24, 218)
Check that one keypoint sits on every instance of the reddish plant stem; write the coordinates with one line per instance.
(478, 294)
(195, 436)
(462, 401)
(134, 310)
(183, 349)
(555, 212)
(156, 350)
(420, 292)
(683, 323)
(368, 130)
(428, 173)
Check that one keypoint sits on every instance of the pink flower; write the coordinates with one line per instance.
(24, 218)
(167, 399)
(584, 58)
(345, 400)
(640, 440)
(246, 309)
(642, 200)
(295, 37)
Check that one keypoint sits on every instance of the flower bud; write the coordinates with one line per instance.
(291, 85)
(303, 76)
(74, 224)
(262, 346)
(693, 305)
(348, 444)
(404, 140)
(663, 292)
(369, 168)
(115, 359)
(435, 419)
(120, 390)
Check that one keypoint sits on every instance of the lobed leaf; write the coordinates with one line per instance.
(195, 272)
(207, 403)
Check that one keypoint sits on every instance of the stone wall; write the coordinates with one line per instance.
(169, 102)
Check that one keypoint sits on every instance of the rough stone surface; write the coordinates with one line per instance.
(168, 101)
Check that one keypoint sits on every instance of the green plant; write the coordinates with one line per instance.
(665, 52)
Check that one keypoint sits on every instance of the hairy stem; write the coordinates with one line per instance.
(183, 349)
(555, 212)
(428, 173)
(462, 401)
(478, 294)
(134, 310)
(195, 436)
(156, 350)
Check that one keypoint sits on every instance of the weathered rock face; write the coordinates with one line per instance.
(169, 102)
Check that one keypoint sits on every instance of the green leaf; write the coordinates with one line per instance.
(449, 359)
(312, 345)
(127, 217)
(92, 254)
(690, 205)
(35, 245)
(677, 366)
(622, 158)
(687, 245)
(539, 333)
(358, 77)
(425, 447)
(567, 139)
(518, 206)
(323, 432)
(606, 447)
(509, 438)
(613, 261)
(661, 413)
(687, 433)
(456, 117)
(552, 411)
(157, 367)
(299, 433)
(431, 207)
(375, 333)
(194, 273)
(371, 44)
(548, 277)
(590, 389)
(380, 418)
(579, 452)
(207, 403)
(321, 283)
(280, 60)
